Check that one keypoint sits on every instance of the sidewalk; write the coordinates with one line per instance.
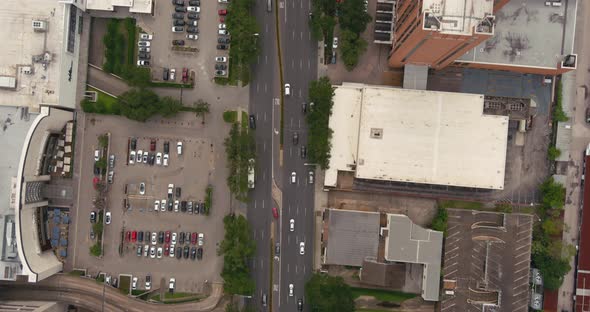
(320, 205)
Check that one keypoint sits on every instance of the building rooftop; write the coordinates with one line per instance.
(135, 6)
(457, 17)
(528, 33)
(39, 63)
(416, 136)
(352, 236)
(410, 243)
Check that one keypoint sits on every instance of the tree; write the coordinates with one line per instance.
(169, 106)
(139, 104)
(96, 249)
(103, 140)
(553, 152)
(136, 76)
(320, 134)
(352, 46)
(326, 293)
(87, 106)
(101, 163)
(240, 147)
(553, 195)
(201, 108)
(352, 16)
(237, 248)
(439, 223)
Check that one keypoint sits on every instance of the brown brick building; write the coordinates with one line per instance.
(518, 35)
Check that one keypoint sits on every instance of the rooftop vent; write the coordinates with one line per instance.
(569, 61)
(376, 133)
(39, 26)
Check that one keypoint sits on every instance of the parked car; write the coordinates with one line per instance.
(140, 236)
(146, 248)
(165, 161)
(192, 36)
(310, 177)
(194, 238)
(303, 151)
(111, 161)
(178, 15)
(133, 143)
(189, 207)
(183, 206)
(193, 253)
(142, 188)
(143, 44)
(222, 12)
(143, 63)
(201, 239)
(177, 29)
(148, 282)
(300, 301)
(144, 49)
(178, 252)
(291, 289)
(193, 15)
(304, 107)
(302, 248)
(132, 157)
(171, 284)
(92, 235)
(220, 72)
(335, 43)
(139, 156)
(220, 66)
(143, 56)
(184, 74)
(167, 237)
(194, 2)
(179, 9)
(179, 147)
(165, 74)
(178, 42)
(134, 283)
(159, 253)
(163, 206)
(159, 159)
(221, 26)
(223, 32)
(186, 251)
(172, 74)
(134, 236)
(178, 191)
(292, 225)
(93, 217)
(166, 249)
(154, 238)
(275, 212)
(176, 206)
(192, 30)
(199, 253)
(161, 237)
(224, 40)
(220, 59)
(178, 2)
(178, 22)
(193, 23)
(194, 9)
(144, 36)
(107, 219)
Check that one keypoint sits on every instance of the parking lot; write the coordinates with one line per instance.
(487, 259)
(200, 54)
(202, 163)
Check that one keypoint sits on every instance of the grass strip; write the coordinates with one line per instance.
(383, 295)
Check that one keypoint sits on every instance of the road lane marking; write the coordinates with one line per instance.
(297, 210)
(263, 204)
(300, 64)
(266, 27)
(301, 33)
(299, 92)
(264, 176)
(262, 234)
(257, 87)
(258, 59)
(289, 209)
(254, 204)
(265, 91)
(264, 146)
(266, 59)
(293, 33)
(296, 269)
(293, 64)
(299, 123)
(287, 268)
(308, 64)
(261, 264)
(264, 116)
(291, 122)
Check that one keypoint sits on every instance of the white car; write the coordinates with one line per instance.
(145, 157)
(158, 159)
(146, 250)
(193, 9)
(154, 238)
(144, 36)
(148, 282)
(173, 238)
(179, 148)
(291, 225)
(171, 251)
(134, 283)
(310, 177)
(163, 206)
(172, 73)
(335, 43)
(157, 206)
(96, 155)
(107, 218)
(193, 23)
(170, 189)
(220, 59)
(172, 283)
(192, 36)
(159, 252)
(287, 89)
(139, 156)
(144, 43)
(132, 157)
(223, 32)
(222, 26)
(153, 252)
(166, 160)
(201, 239)
(302, 248)
(176, 206)
(291, 290)
(142, 188)
(222, 1)
(293, 177)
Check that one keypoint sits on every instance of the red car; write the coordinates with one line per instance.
(128, 236)
(275, 212)
(194, 238)
(134, 236)
(153, 145)
(222, 12)
(185, 74)
(222, 19)
(167, 237)
(166, 250)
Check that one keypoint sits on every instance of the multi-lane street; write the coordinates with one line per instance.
(299, 59)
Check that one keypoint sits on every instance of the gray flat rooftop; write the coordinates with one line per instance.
(528, 33)
(410, 243)
(352, 236)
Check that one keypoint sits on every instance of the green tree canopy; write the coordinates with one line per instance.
(240, 146)
(237, 248)
(553, 195)
(169, 106)
(139, 104)
(352, 46)
(352, 16)
(326, 293)
(320, 134)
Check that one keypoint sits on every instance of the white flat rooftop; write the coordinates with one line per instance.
(458, 17)
(417, 136)
(135, 6)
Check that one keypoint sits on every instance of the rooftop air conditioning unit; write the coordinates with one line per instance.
(39, 26)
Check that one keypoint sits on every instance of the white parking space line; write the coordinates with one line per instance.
(263, 204)
(302, 4)
(262, 234)
(304, 269)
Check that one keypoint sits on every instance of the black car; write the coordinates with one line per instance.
(183, 206)
(133, 143)
(179, 9)
(165, 73)
(178, 22)
(202, 208)
(178, 191)
(186, 252)
(295, 138)
(299, 304)
(96, 170)
(200, 253)
(304, 107)
(161, 237)
(252, 120)
(177, 15)
(170, 204)
(178, 42)
(166, 147)
(178, 252)
(221, 47)
(220, 66)
(303, 151)
(193, 15)
(277, 249)
(140, 237)
(196, 205)
(181, 238)
(147, 236)
(178, 2)
(93, 217)
(194, 2)
(193, 253)
(144, 56)
(151, 159)
(192, 30)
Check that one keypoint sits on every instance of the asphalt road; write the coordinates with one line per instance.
(299, 56)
